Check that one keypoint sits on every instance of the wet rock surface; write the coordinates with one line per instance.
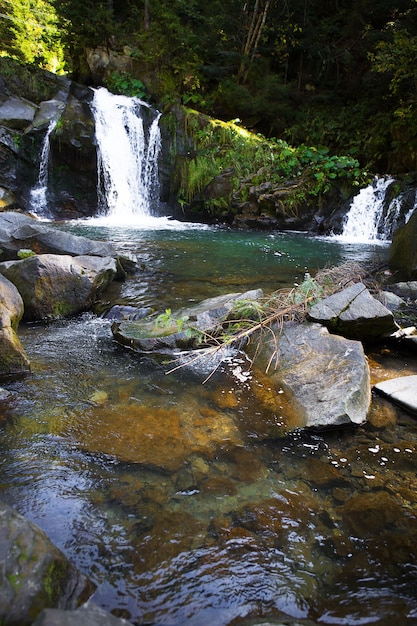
(326, 375)
(34, 574)
(13, 360)
(58, 285)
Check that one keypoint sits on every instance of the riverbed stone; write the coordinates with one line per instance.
(34, 574)
(354, 313)
(13, 360)
(326, 376)
(54, 286)
(401, 390)
(156, 437)
(88, 614)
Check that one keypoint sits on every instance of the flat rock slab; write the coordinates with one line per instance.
(354, 313)
(402, 391)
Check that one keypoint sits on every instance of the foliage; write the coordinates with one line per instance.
(25, 253)
(220, 147)
(125, 84)
(31, 33)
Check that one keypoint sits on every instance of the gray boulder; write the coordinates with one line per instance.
(54, 286)
(13, 360)
(34, 574)
(354, 313)
(326, 376)
(18, 231)
(87, 615)
(17, 112)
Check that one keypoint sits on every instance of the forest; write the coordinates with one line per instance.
(334, 73)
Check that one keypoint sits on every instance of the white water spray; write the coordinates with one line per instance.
(38, 197)
(127, 156)
(366, 211)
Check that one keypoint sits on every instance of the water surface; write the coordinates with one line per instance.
(183, 502)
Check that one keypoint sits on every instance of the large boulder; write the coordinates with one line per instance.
(34, 574)
(18, 231)
(403, 252)
(59, 285)
(354, 313)
(13, 360)
(326, 376)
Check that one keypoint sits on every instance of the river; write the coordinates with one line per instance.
(226, 522)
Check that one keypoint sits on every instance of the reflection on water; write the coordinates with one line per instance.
(184, 502)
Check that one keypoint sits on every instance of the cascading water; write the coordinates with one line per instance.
(127, 154)
(38, 195)
(365, 220)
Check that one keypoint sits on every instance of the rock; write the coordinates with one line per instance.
(326, 375)
(59, 285)
(13, 360)
(182, 330)
(403, 251)
(402, 391)
(87, 615)
(354, 313)
(17, 112)
(18, 230)
(34, 574)
(161, 438)
(405, 290)
(391, 301)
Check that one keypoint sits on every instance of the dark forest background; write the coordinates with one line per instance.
(338, 73)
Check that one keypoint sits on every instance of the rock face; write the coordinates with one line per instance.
(58, 285)
(13, 360)
(34, 574)
(354, 313)
(403, 252)
(327, 375)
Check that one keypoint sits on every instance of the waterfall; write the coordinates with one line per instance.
(38, 195)
(365, 219)
(128, 146)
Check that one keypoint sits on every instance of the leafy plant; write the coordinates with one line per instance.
(25, 253)
(125, 84)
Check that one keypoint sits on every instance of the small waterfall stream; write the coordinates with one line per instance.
(128, 147)
(38, 195)
(373, 217)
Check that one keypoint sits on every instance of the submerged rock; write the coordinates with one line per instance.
(87, 615)
(34, 574)
(13, 360)
(326, 375)
(354, 313)
(58, 285)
